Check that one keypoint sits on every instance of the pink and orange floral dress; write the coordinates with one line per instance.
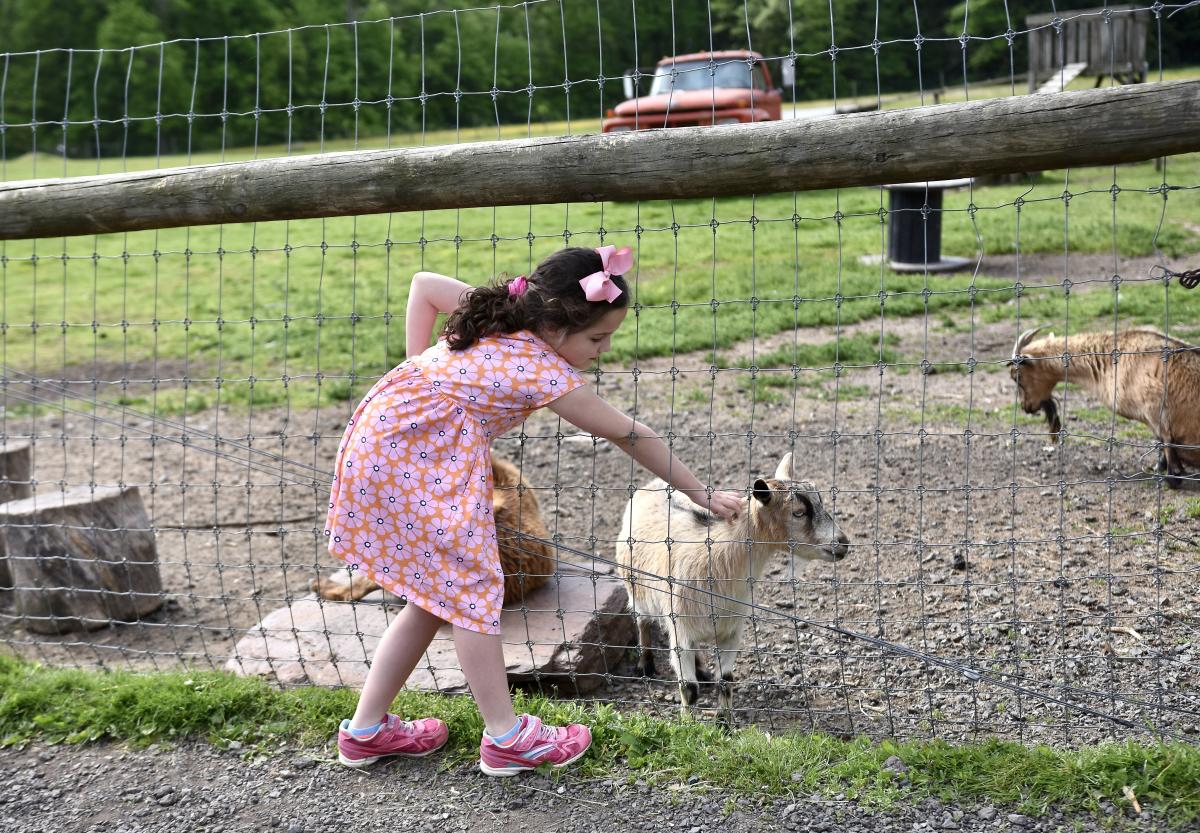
(411, 504)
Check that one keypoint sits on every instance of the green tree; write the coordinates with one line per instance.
(141, 82)
(42, 78)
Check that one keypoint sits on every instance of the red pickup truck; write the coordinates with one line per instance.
(703, 88)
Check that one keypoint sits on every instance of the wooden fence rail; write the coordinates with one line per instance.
(995, 136)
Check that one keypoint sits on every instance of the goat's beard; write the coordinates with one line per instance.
(1050, 409)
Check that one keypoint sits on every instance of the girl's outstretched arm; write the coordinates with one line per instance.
(583, 408)
(429, 295)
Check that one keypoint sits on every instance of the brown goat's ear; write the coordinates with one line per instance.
(762, 492)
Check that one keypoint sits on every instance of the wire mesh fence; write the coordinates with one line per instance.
(192, 385)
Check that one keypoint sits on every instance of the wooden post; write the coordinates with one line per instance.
(16, 465)
(81, 559)
(976, 138)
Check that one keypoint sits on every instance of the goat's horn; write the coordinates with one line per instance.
(784, 471)
(1023, 340)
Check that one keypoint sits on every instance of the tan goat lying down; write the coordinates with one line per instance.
(1126, 370)
(527, 563)
(665, 536)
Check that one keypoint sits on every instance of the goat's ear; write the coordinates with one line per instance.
(762, 492)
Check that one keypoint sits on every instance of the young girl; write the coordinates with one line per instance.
(412, 494)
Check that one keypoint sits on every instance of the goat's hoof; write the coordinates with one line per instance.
(689, 693)
(646, 667)
(1173, 481)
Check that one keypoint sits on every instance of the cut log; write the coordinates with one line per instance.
(15, 469)
(81, 559)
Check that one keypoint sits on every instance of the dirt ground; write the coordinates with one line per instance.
(1062, 573)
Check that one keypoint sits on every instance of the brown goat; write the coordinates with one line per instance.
(1141, 374)
(527, 563)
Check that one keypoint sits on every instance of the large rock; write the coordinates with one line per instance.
(81, 559)
(567, 633)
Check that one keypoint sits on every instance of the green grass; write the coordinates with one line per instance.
(960, 416)
(311, 311)
(812, 366)
(861, 349)
(953, 93)
(75, 706)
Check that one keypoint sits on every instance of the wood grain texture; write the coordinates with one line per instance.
(996, 136)
(81, 559)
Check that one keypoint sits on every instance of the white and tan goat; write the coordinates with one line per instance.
(695, 574)
(1141, 374)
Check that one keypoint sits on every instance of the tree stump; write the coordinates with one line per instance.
(81, 559)
(15, 472)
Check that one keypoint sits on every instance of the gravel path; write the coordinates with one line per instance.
(197, 788)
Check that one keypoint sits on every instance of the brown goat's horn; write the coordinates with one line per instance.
(1023, 340)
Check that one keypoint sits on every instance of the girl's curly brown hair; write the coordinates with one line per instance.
(553, 300)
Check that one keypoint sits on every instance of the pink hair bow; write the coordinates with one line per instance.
(598, 286)
(517, 286)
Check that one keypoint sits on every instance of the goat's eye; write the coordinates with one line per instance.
(806, 507)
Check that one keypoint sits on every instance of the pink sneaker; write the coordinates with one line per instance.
(535, 744)
(409, 739)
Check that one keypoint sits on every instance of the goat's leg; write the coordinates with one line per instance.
(645, 664)
(1164, 433)
(683, 660)
(727, 653)
(689, 689)
(1174, 467)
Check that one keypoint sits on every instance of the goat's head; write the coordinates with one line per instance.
(795, 506)
(1035, 377)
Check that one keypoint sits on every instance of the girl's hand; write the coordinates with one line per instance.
(724, 504)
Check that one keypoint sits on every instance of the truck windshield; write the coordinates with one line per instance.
(694, 75)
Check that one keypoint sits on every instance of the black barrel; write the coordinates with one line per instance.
(915, 224)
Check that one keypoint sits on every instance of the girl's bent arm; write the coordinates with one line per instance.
(583, 408)
(429, 295)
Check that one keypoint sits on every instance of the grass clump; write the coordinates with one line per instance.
(815, 366)
(77, 706)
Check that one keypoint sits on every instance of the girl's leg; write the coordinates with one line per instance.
(403, 644)
(481, 656)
